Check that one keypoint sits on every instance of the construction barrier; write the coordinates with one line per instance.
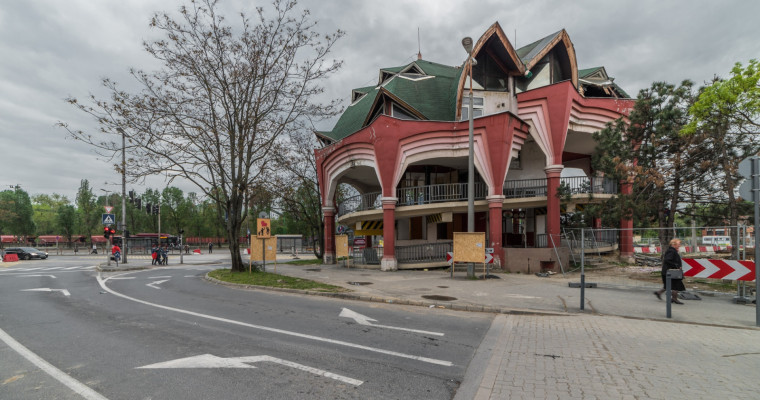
(734, 270)
(686, 249)
(10, 258)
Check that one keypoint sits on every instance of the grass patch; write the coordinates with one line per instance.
(272, 280)
(315, 261)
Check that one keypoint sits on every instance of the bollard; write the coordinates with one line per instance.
(668, 298)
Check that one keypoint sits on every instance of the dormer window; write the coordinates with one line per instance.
(400, 113)
(356, 96)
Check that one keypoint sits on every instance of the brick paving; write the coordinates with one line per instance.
(594, 357)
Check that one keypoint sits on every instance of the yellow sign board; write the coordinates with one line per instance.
(341, 246)
(263, 228)
(469, 247)
(269, 248)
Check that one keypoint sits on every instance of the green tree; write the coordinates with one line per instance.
(87, 208)
(45, 210)
(650, 153)
(16, 213)
(65, 219)
(726, 121)
(221, 102)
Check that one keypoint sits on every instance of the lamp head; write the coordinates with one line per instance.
(467, 44)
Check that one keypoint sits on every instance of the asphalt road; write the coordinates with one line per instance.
(168, 334)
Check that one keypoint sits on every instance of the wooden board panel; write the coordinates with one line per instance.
(469, 247)
(271, 249)
(341, 246)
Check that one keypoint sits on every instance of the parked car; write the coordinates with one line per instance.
(27, 253)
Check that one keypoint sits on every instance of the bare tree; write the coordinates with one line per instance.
(221, 103)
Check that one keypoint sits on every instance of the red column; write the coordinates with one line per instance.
(552, 205)
(389, 263)
(329, 257)
(494, 228)
(626, 227)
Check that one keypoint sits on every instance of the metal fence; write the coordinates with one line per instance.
(423, 253)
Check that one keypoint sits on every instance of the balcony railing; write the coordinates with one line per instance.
(523, 188)
(438, 193)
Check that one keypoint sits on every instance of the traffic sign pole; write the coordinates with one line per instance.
(756, 198)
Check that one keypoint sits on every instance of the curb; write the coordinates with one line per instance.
(391, 300)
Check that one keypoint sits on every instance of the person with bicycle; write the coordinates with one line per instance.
(116, 252)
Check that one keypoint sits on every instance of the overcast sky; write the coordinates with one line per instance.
(52, 49)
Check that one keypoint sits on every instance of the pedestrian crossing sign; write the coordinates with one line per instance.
(109, 219)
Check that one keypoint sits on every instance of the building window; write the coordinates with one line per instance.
(477, 107)
(400, 113)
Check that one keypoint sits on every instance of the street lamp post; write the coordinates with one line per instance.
(123, 194)
(467, 44)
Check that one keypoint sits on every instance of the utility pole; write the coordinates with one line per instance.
(123, 195)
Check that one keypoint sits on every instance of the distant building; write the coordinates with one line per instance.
(403, 145)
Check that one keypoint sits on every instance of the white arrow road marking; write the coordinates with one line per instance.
(52, 276)
(64, 291)
(102, 283)
(364, 320)
(156, 283)
(212, 361)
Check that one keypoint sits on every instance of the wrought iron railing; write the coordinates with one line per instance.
(523, 188)
(424, 252)
(438, 193)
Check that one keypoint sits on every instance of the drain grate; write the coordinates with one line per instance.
(443, 287)
(438, 297)
(359, 283)
(314, 269)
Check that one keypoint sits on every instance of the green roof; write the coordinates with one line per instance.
(582, 73)
(433, 96)
(530, 51)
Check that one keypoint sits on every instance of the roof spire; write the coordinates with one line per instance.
(419, 49)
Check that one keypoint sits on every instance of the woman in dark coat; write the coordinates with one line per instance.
(671, 260)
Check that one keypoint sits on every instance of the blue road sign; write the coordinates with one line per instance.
(109, 219)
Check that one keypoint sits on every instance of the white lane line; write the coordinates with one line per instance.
(64, 291)
(24, 275)
(73, 384)
(102, 283)
(118, 278)
(78, 266)
(158, 277)
(27, 269)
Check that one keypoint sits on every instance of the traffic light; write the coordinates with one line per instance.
(132, 196)
(138, 204)
(149, 208)
(106, 232)
(156, 209)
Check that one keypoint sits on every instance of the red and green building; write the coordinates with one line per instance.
(402, 148)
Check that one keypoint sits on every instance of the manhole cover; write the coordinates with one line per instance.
(443, 287)
(438, 297)
(314, 269)
(359, 283)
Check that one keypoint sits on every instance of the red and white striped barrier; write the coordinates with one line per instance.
(719, 269)
(685, 249)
